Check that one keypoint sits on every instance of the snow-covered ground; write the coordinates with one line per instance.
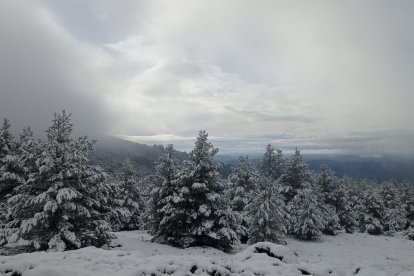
(356, 254)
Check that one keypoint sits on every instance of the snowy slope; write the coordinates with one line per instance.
(385, 255)
(341, 255)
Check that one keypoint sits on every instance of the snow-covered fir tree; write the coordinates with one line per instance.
(372, 213)
(6, 139)
(9, 170)
(295, 177)
(16, 171)
(407, 201)
(273, 163)
(162, 196)
(129, 194)
(348, 217)
(61, 203)
(409, 233)
(395, 214)
(243, 182)
(327, 186)
(268, 214)
(309, 215)
(9, 166)
(197, 205)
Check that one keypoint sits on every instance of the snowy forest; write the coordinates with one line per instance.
(52, 197)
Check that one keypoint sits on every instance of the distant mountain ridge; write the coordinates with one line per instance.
(111, 151)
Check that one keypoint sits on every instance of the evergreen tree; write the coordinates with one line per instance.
(6, 139)
(9, 167)
(273, 164)
(348, 217)
(407, 201)
(327, 185)
(395, 214)
(197, 204)
(130, 190)
(162, 204)
(296, 176)
(372, 213)
(409, 233)
(268, 213)
(309, 215)
(15, 172)
(243, 182)
(60, 204)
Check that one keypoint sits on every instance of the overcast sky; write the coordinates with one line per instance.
(326, 76)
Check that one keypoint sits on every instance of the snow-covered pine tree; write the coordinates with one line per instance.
(348, 217)
(273, 163)
(295, 177)
(60, 205)
(6, 139)
(16, 171)
(327, 185)
(268, 214)
(9, 167)
(409, 233)
(407, 200)
(197, 209)
(395, 216)
(9, 177)
(372, 213)
(309, 215)
(243, 183)
(161, 204)
(130, 196)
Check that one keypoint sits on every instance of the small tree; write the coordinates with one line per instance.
(295, 177)
(10, 170)
(268, 214)
(61, 203)
(348, 217)
(309, 216)
(130, 196)
(273, 163)
(372, 213)
(327, 185)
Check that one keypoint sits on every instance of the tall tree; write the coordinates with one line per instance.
(162, 205)
(197, 204)
(60, 204)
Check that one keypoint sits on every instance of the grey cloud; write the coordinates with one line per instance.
(43, 70)
(312, 71)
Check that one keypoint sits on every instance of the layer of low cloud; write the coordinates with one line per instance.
(330, 77)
